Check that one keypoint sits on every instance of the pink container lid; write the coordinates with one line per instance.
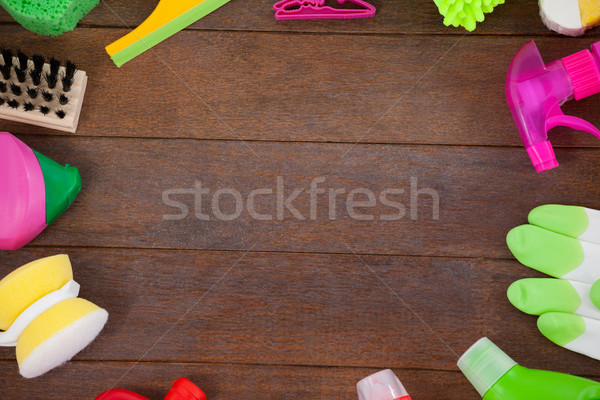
(22, 194)
(584, 74)
(383, 385)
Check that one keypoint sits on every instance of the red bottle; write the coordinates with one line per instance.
(183, 389)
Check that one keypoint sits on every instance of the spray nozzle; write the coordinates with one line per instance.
(535, 91)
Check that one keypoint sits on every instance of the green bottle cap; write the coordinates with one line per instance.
(63, 184)
(484, 364)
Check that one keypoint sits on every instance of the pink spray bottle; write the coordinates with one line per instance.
(535, 92)
(34, 192)
(383, 385)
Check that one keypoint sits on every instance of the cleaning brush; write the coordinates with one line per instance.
(465, 13)
(39, 93)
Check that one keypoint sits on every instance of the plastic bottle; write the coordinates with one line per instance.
(496, 376)
(383, 385)
(183, 389)
(34, 192)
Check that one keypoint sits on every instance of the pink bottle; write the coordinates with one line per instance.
(383, 385)
(34, 191)
(535, 91)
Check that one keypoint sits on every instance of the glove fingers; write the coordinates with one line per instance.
(554, 254)
(573, 332)
(537, 296)
(577, 222)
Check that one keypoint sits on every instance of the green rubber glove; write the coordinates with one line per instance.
(563, 242)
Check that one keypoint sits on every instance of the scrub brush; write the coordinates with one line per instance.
(465, 13)
(39, 93)
(42, 316)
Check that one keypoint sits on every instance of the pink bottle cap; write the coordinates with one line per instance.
(383, 385)
(584, 74)
(542, 156)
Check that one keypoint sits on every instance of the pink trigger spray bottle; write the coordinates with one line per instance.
(383, 385)
(535, 91)
(34, 192)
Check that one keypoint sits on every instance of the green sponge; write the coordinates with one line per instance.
(465, 13)
(48, 17)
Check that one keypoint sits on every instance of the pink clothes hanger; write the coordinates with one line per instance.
(316, 9)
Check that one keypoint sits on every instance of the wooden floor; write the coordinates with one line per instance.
(269, 305)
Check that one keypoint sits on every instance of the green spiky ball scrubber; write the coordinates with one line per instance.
(48, 17)
(465, 13)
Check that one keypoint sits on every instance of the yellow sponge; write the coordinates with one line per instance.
(590, 13)
(41, 314)
(57, 335)
(570, 17)
(26, 285)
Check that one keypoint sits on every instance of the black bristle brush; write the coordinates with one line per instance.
(36, 72)
(52, 76)
(21, 69)
(32, 92)
(68, 77)
(16, 89)
(6, 68)
(39, 88)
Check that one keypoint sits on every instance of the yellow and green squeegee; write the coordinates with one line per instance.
(169, 17)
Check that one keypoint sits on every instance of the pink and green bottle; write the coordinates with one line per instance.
(34, 192)
(497, 377)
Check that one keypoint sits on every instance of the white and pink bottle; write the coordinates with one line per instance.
(383, 385)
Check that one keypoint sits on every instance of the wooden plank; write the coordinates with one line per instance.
(225, 382)
(517, 17)
(128, 198)
(374, 89)
(303, 310)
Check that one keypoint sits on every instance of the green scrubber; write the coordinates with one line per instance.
(465, 13)
(48, 17)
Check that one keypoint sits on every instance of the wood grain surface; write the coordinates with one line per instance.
(229, 381)
(478, 188)
(306, 302)
(330, 88)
